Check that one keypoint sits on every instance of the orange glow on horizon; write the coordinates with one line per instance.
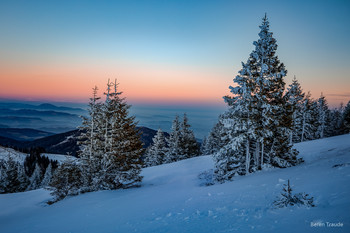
(145, 84)
(149, 83)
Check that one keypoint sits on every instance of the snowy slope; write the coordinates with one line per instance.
(172, 199)
(20, 157)
(15, 155)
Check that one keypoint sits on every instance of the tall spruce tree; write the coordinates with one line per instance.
(123, 147)
(258, 119)
(91, 144)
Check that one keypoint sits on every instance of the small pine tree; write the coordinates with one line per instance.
(35, 179)
(309, 118)
(346, 119)
(188, 143)
(288, 199)
(174, 149)
(157, 151)
(66, 181)
(216, 139)
(47, 176)
(295, 98)
(323, 117)
(22, 178)
(3, 175)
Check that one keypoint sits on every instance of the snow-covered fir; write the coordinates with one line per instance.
(259, 119)
(156, 153)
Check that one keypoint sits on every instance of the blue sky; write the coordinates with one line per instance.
(169, 44)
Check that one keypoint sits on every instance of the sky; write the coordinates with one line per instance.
(166, 52)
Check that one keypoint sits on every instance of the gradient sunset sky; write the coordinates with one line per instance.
(166, 51)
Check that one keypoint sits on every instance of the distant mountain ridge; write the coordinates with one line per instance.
(32, 112)
(23, 134)
(44, 106)
(62, 143)
(44, 117)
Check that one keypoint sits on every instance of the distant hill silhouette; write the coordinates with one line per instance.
(62, 143)
(23, 134)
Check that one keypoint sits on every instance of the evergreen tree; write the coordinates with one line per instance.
(91, 144)
(259, 120)
(346, 119)
(204, 149)
(323, 120)
(157, 151)
(216, 139)
(47, 176)
(3, 175)
(123, 147)
(23, 180)
(35, 179)
(335, 121)
(188, 143)
(309, 118)
(11, 184)
(174, 149)
(67, 180)
(295, 98)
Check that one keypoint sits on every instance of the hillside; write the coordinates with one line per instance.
(62, 143)
(173, 199)
(23, 134)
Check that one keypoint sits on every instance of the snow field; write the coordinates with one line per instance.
(173, 199)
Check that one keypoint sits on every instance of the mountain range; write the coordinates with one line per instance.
(62, 143)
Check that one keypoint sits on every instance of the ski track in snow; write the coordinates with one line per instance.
(173, 199)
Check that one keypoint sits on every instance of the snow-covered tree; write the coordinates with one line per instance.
(123, 147)
(309, 118)
(336, 120)
(91, 143)
(216, 139)
(156, 153)
(47, 176)
(35, 179)
(23, 180)
(295, 97)
(258, 119)
(346, 119)
(67, 180)
(174, 149)
(3, 175)
(323, 114)
(188, 143)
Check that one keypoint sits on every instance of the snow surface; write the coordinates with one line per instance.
(20, 157)
(15, 155)
(173, 199)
